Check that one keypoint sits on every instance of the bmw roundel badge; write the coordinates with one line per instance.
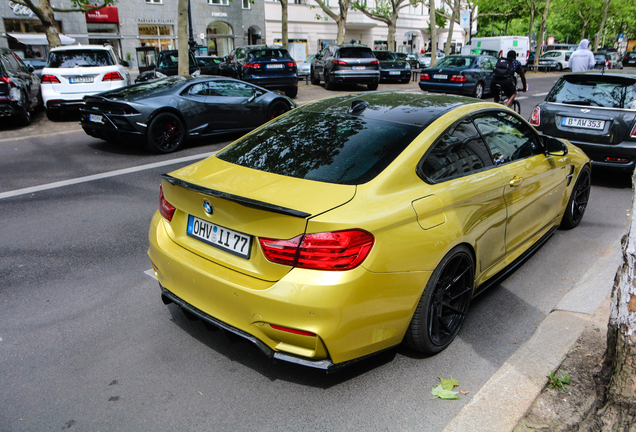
(207, 206)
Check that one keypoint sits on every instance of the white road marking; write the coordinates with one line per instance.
(151, 273)
(66, 132)
(540, 94)
(101, 176)
(521, 97)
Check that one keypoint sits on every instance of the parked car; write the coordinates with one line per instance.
(629, 59)
(304, 67)
(595, 111)
(36, 64)
(411, 58)
(209, 65)
(168, 65)
(417, 205)
(271, 67)
(459, 74)
(424, 60)
(75, 71)
(163, 113)
(345, 64)
(607, 60)
(392, 68)
(556, 59)
(19, 88)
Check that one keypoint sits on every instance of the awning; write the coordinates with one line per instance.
(37, 38)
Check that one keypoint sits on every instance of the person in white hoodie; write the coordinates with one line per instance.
(582, 59)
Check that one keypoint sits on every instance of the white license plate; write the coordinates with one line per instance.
(440, 76)
(358, 67)
(394, 73)
(631, 61)
(95, 118)
(215, 235)
(80, 79)
(583, 123)
(274, 66)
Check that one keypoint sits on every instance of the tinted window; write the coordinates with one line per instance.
(460, 151)
(457, 62)
(229, 89)
(77, 58)
(323, 147)
(603, 91)
(269, 54)
(9, 62)
(507, 137)
(384, 55)
(355, 53)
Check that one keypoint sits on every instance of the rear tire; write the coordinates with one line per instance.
(165, 134)
(24, 116)
(372, 86)
(441, 311)
(479, 90)
(328, 84)
(291, 92)
(578, 200)
(53, 114)
(559, 67)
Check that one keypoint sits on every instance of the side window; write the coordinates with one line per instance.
(10, 63)
(507, 137)
(486, 64)
(458, 152)
(229, 89)
(199, 89)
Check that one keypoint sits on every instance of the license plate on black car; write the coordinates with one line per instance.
(583, 123)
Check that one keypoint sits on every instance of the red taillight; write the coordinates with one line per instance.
(7, 80)
(252, 65)
(291, 64)
(527, 55)
(165, 208)
(501, 53)
(616, 159)
(633, 134)
(337, 250)
(424, 76)
(291, 330)
(375, 62)
(535, 117)
(51, 79)
(113, 76)
(458, 78)
(339, 62)
(607, 64)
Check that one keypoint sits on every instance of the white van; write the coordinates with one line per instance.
(499, 46)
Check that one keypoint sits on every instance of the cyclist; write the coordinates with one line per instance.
(504, 74)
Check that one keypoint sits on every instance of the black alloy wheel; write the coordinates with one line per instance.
(315, 80)
(291, 92)
(165, 134)
(276, 109)
(578, 201)
(441, 311)
(24, 115)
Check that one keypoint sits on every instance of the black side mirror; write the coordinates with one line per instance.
(30, 68)
(555, 147)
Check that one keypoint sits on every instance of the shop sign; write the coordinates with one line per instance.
(154, 21)
(107, 14)
(19, 9)
(219, 14)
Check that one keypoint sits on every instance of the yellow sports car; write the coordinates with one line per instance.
(359, 222)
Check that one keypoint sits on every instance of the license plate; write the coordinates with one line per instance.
(95, 118)
(631, 61)
(274, 66)
(358, 67)
(440, 76)
(394, 73)
(215, 235)
(80, 79)
(583, 123)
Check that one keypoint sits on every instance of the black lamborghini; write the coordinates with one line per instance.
(161, 114)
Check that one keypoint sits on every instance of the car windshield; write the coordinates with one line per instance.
(79, 58)
(323, 147)
(606, 91)
(355, 53)
(269, 54)
(384, 55)
(631, 55)
(456, 62)
(599, 56)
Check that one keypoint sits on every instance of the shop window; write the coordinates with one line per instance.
(218, 2)
(220, 38)
(27, 26)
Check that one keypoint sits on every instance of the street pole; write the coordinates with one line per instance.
(191, 42)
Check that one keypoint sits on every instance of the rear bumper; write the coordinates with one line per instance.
(386, 75)
(454, 88)
(368, 76)
(272, 83)
(9, 108)
(602, 155)
(114, 127)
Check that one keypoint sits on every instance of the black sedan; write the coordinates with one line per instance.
(596, 111)
(392, 68)
(459, 74)
(163, 113)
(19, 88)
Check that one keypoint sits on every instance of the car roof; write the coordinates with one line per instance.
(82, 47)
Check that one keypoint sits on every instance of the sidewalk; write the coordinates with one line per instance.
(508, 394)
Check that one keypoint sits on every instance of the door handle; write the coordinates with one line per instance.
(516, 181)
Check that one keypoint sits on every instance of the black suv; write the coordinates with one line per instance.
(353, 64)
(265, 66)
(19, 88)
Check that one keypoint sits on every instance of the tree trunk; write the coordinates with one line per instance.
(48, 21)
(182, 38)
(585, 20)
(433, 23)
(284, 23)
(449, 39)
(600, 31)
(390, 38)
(544, 18)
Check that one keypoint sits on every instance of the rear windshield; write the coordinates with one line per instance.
(631, 55)
(457, 62)
(589, 90)
(269, 54)
(599, 56)
(355, 53)
(384, 55)
(323, 147)
(79, 58)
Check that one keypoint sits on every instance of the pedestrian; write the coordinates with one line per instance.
(582, 59)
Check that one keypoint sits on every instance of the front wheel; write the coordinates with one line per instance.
(516, 106)
(165, 134)
(441, 311)
(276, 109)
(479, 90)
(314, 79)
(578, 200)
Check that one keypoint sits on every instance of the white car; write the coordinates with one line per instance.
(75, 71)
(424, 60)
(304, 67)
(556, 59)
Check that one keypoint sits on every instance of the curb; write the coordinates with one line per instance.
(506, 397)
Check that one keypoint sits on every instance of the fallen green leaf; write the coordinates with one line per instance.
(448, 384)
(444, 394)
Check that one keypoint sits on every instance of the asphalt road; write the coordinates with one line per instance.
(87, 345)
